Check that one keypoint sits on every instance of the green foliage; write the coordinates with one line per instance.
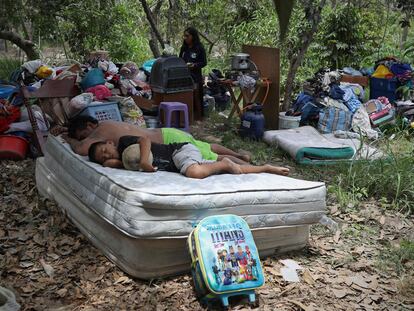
(8, 66)
(342, 39)
(389, 180)
(398, 258)
(88, 25)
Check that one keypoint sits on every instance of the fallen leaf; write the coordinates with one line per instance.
(301, 305)
(382, 220)
(339, 293)
(337, 236)
(273, 271)
(123, 280)
(48, 268)
(62, 292)
(26, 264)
(359, 280)
(308, 277)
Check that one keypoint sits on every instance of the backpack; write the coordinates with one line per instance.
(225, 260)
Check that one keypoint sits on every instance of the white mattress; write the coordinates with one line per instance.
(169, 204)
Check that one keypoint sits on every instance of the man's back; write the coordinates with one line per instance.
(111, 130)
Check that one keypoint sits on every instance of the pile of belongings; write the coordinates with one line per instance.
(216, 92)
(392, 68)
(331, 105)
(405, 108)
(64, 92)
(380, 111)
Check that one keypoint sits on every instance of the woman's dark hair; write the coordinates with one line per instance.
(196, 37)
(79, 123)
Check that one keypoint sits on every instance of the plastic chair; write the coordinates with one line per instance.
(169, 108)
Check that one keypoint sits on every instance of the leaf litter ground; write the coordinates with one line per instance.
(50, 265)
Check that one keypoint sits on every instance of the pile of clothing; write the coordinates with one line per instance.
(331, 105)
(76, 87)
(390, 67)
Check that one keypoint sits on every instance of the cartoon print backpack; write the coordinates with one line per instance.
(225, 260)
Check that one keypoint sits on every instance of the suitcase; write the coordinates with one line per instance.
(225, 260)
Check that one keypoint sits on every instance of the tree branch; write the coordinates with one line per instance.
(27, 46)
(152, 23)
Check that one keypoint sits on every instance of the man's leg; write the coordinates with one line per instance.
(234, 159)
(223, 151)
(250, 169)
(201, 171)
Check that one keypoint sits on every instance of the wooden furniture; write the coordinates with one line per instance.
(361, 80)
(267, 61)
(246, 96)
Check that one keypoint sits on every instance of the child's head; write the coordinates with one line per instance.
(100, 152)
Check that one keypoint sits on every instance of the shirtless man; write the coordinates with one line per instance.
(84, 131)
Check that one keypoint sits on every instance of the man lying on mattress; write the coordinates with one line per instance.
(139, 153)
(84, 131)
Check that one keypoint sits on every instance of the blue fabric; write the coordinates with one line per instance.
(336, 92)
(367, 71)
(309, 112)
(353, 104)
(304, 104)
(7, 90)
(333, 119)
(400, 69)
(350, 98)
(351, 71)
(301, 100)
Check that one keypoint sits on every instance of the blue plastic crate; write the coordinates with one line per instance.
(103, 111)
(383, 87)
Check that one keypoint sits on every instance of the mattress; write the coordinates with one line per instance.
(307, 146)
(141, 220)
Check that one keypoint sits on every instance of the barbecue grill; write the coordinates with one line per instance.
(171, 75)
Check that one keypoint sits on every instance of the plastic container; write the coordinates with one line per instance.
(252, 122)
(93, 77)
(103, 111)
(152, 122)
(13, 147)
(288, 122)
(383, 87)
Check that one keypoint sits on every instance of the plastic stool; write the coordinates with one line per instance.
(169, 108)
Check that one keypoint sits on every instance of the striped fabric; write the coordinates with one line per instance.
(333, 119)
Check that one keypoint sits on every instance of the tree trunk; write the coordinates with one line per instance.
(404, 34)
(152, 23)
(306, 38)
(27, 46)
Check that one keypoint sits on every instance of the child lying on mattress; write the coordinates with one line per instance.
(138, 153)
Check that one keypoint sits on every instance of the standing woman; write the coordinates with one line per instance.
(194, 54)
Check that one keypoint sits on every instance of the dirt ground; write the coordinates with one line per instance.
(50, 265)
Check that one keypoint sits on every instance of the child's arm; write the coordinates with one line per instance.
(114, 163)
(145, 148)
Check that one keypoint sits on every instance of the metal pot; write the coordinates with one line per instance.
(240, 61)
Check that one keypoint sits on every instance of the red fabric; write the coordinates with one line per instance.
(8, 115)
(100, 92)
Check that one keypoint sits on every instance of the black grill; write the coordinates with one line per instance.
(170, 75)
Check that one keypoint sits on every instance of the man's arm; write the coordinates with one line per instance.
(80, 147)
(145, 149)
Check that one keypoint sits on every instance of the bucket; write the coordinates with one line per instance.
(288, 122)
(152, 122)
(13, 147)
